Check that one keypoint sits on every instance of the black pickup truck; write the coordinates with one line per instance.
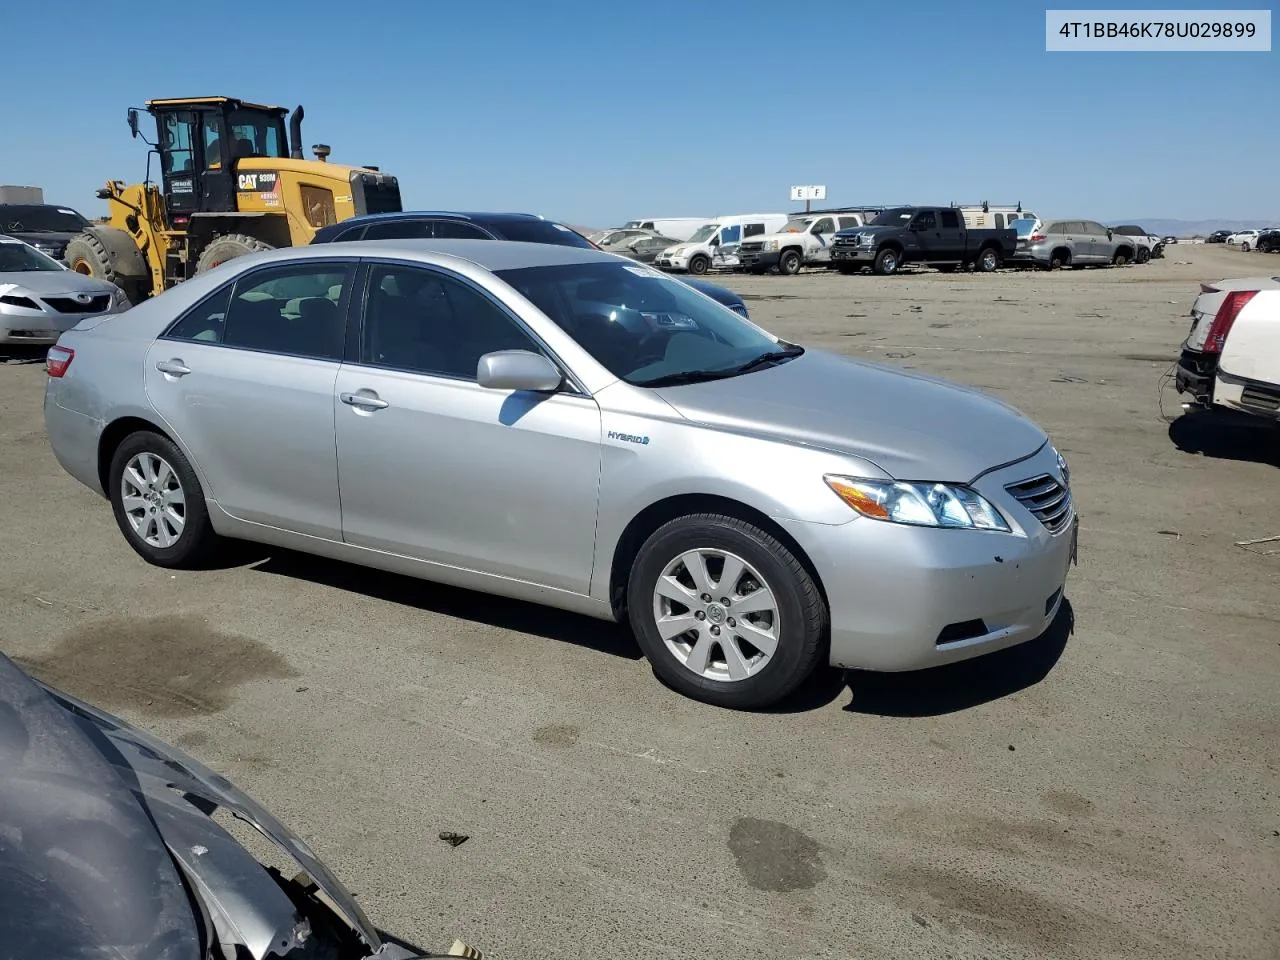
(933, 235)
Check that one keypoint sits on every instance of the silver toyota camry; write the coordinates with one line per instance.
(40, 297)
(572, 428)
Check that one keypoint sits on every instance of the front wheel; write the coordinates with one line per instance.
(158, 503)
(699, 265)
(789, 263)
(887, 262)
(1143, 255)
(1245, 246)
(725, 612)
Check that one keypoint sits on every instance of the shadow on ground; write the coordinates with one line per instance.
(959, 686)
(1227, 436)
(611, 638)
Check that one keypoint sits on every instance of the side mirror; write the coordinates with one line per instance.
(518, 370)
(1110, 235)
(133, 122)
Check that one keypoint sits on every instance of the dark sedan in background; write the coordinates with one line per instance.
(45, 226)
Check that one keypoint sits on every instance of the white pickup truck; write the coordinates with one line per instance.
(1231, 358)
(804, 241)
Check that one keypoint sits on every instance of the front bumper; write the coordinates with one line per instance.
(671, 263)
(20, 326)
(759, 259)
(909, 598)
(853, 254)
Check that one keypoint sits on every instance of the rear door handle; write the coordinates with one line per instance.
(174, 367)
(367, 399)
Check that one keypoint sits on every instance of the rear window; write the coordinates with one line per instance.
(1024, 228)
(542, 231)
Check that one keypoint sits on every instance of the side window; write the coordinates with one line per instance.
(400, 230)
(731, 234)
(428, 322)
(999, 221)
(294, 310)
(925, 221)
(175, 151)
(211, 123)
(459, 230)
(752, 230)
(205, 322)
(950, 220)
(825, 225)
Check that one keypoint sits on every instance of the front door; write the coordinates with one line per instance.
(822, 232)
(924, 229)
(726, 252)
(436, 467)
(246, 379)
(950, 235)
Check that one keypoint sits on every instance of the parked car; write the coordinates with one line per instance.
(802, 241)
(40, 297)
(1198, 361)
(716, 243)
(1146, 245)
(1169, 240)
(681, 228)
(45, 226)
(932, 235)
(485, 226)
(1077, 243)
(110, 849)
(559, 425)
(1218, 236)
(642, 249)
(617, 237)
(1269, 241)
(1244, 239)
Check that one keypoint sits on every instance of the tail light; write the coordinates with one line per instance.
(1224, 318)
(57, 360)
(1038, 237)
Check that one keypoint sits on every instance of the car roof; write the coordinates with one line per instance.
(489, 254)
(477, 217)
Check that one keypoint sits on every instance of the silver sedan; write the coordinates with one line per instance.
(569, 427)
(40, 298)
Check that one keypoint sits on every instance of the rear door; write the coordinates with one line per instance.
(245, 380)
(950, 235)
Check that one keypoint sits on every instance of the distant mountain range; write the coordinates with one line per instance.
(1195, 228)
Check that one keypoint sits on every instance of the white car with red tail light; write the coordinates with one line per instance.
(1231, 357)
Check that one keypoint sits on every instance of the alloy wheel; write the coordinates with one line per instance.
(153, 500)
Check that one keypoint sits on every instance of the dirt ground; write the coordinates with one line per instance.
(1110, 790)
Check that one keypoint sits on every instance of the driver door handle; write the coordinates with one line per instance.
(174, 367)
(369, 400)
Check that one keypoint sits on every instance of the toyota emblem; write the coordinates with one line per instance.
(83, 298)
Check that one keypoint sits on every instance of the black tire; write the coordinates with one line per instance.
(227, 247)
(1120, 259)
(988, 260)
(946, 267)
(1264, 246)
(197, 539)
(1244, 246)
(699, 265)
(1059, 259)
(887, 262)
(789, 263)
(801, 612)
(86, 254)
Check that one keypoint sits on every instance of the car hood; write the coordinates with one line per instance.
(913, 427)
(51, 238)
(53, 283)
(108, 827)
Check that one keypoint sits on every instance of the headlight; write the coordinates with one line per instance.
(119, 298)
(770, 245)
(918, 504)
(1062, 465)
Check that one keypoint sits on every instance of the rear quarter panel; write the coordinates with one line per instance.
(1252, 350)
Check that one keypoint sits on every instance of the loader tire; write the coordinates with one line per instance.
(227, 247)
(86, 254)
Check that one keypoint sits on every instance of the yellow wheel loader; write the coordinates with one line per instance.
(231, 182)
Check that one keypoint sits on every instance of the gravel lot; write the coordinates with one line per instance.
(1110, 790)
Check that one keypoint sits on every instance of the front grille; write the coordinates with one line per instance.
(1260, 398)
(1045, 497)
(752, 247)
(96, 304)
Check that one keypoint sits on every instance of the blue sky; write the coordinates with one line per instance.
(595, 112)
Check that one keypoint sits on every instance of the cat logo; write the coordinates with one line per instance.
(262, 182)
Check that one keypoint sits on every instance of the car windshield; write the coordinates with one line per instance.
(542, 231)
(644, 327)
(38, 218)
(798, 226)
(21, 258)
(704, 233)
(1024, 228)
(893, 218)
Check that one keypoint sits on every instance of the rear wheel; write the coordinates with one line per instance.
(1244, 245)
(887, 262)
(1059, 259)
(989, 260)
(725, 612)
(158, 503)
(789, 263)
(1120, 259)
(1264, 246)
(227, 247)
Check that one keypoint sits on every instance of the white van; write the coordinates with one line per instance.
(677, 228)
(987, 217)
(716, 242)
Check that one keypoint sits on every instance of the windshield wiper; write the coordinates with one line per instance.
(769, 359)
(688, 376)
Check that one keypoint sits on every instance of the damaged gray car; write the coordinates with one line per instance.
(111, 847)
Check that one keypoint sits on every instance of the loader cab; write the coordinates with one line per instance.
(199, 142)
